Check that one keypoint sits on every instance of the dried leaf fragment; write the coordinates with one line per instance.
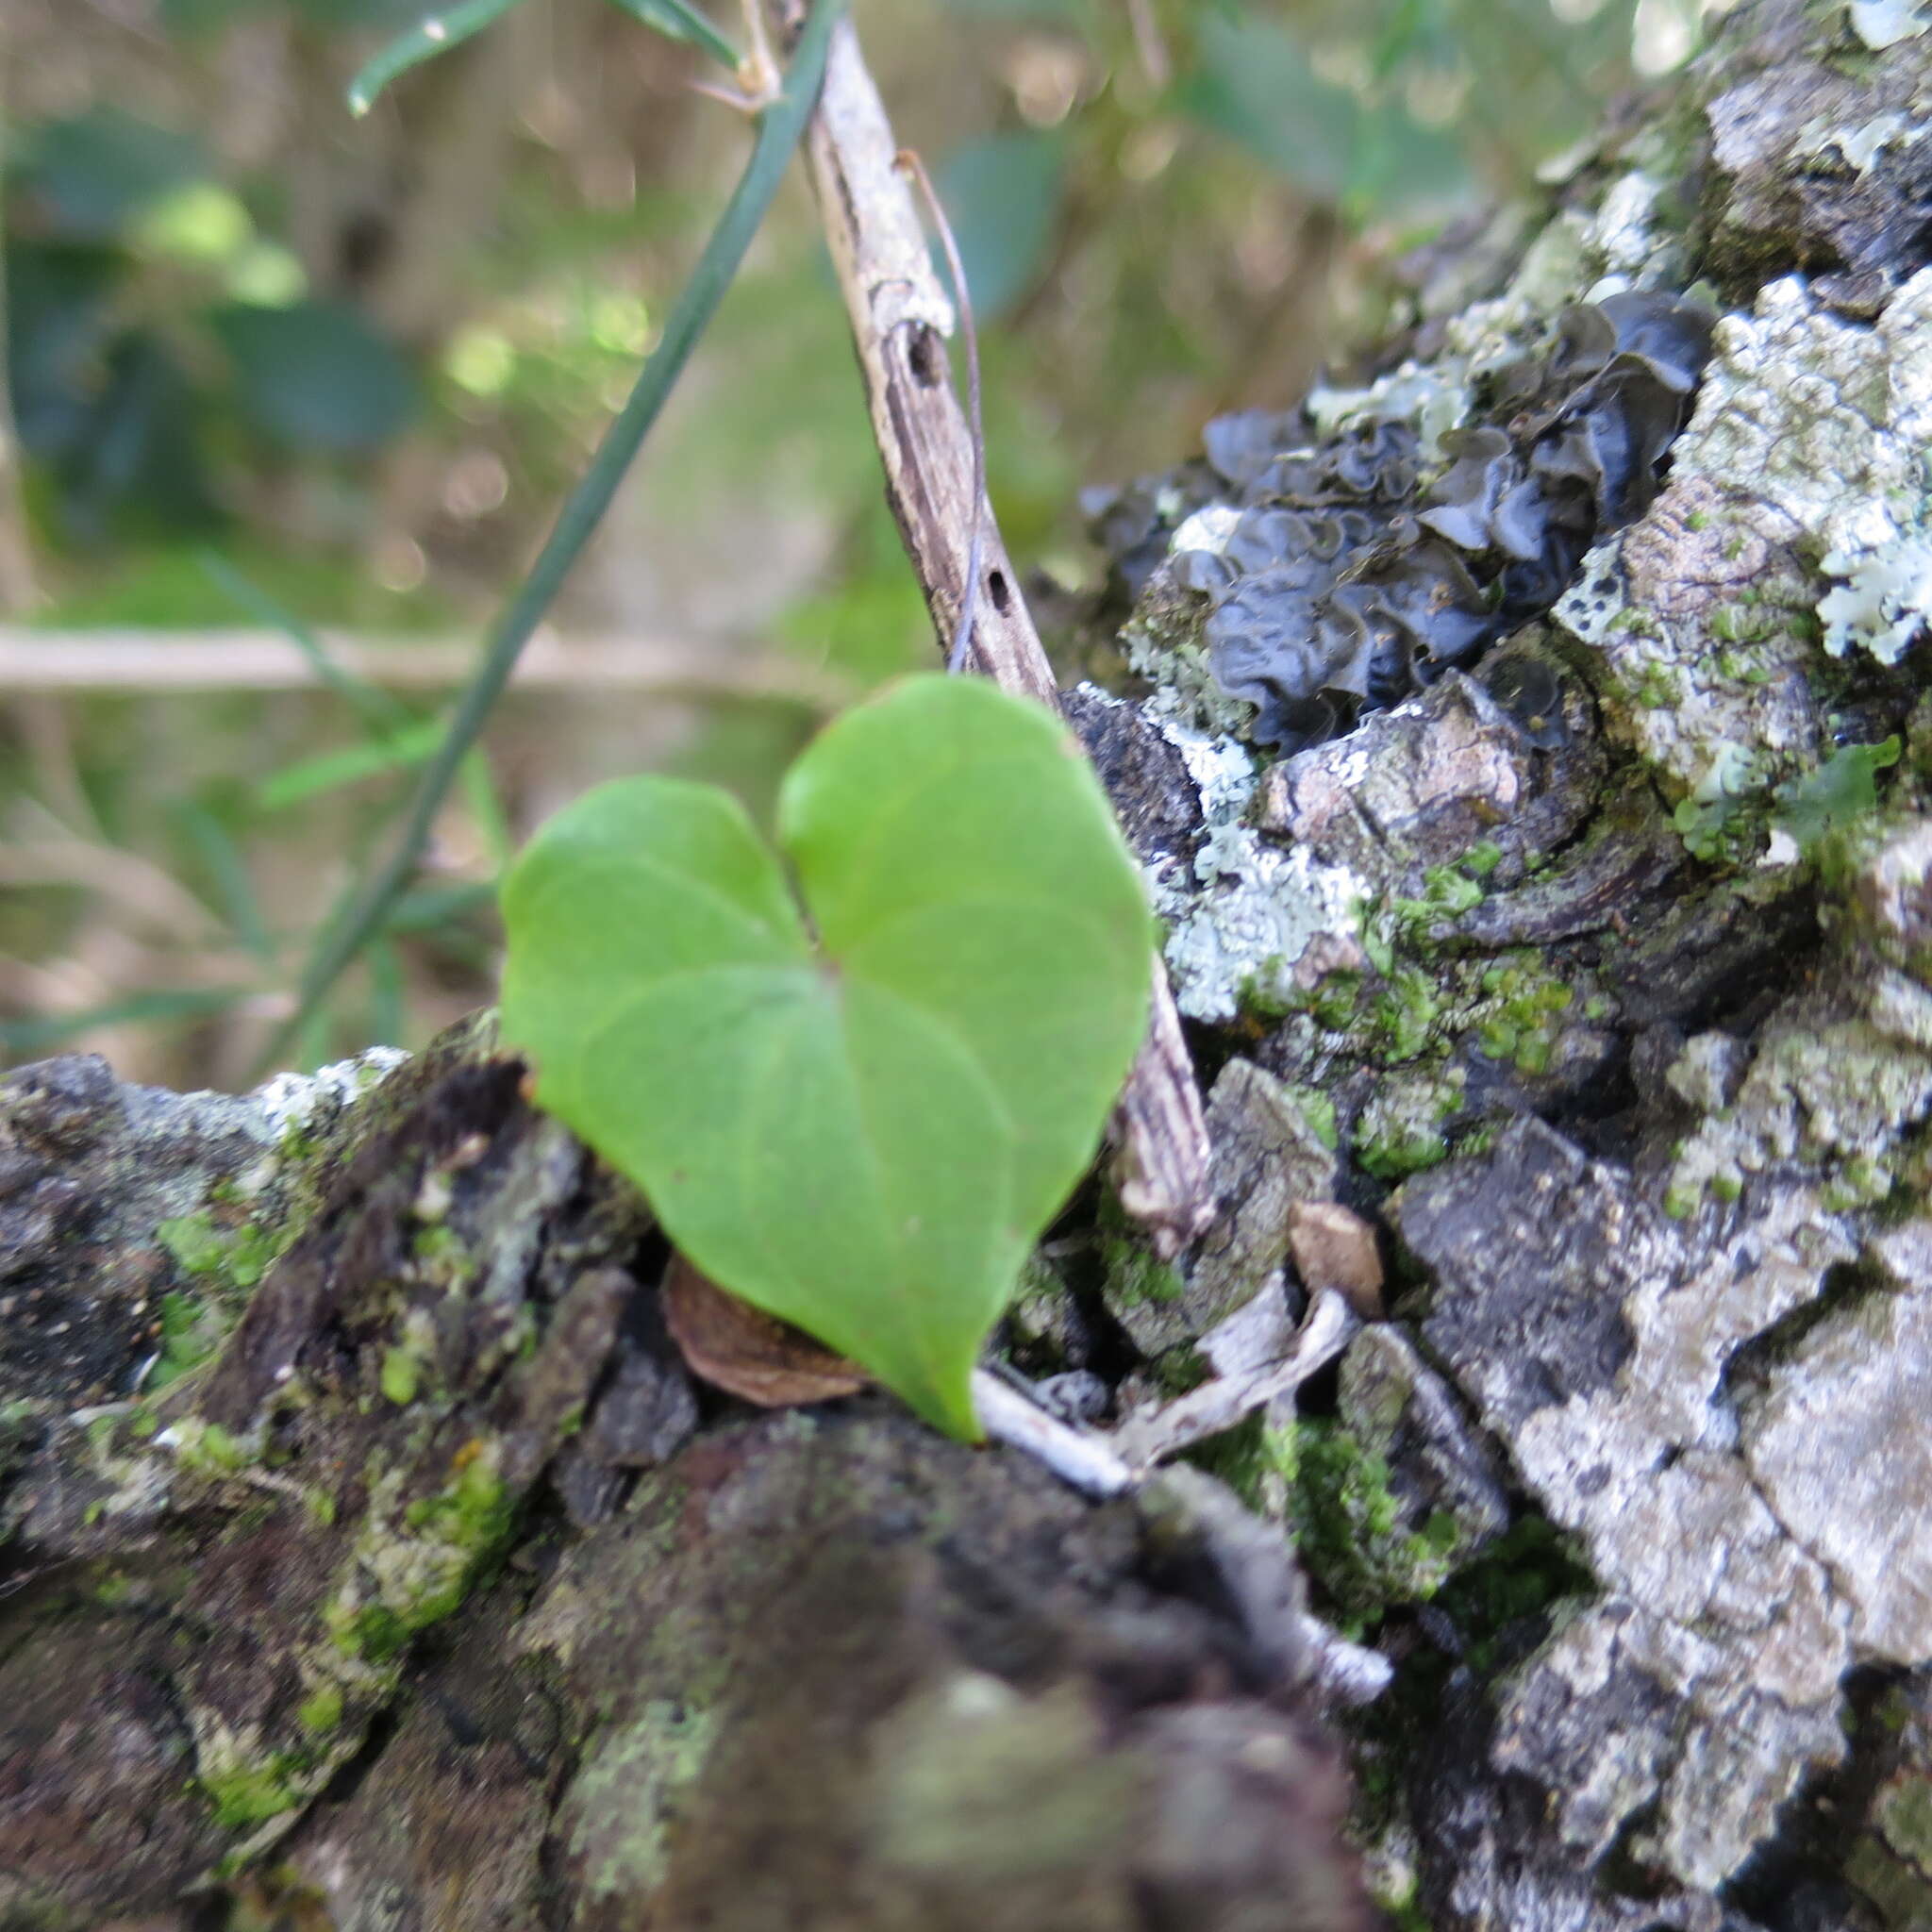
(1333, 1247)
(746, 1352)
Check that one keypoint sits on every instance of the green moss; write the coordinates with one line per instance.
(223, 1263)
(1404, 1016)
(1859, 1183)
(1407, 1915)
(1331, 1002)
(113, 1590)
(251, 1794)
(407, 1575)
(1521, 1006)
(1134, 1274)
(1521, 1574)
(191, 1330)
(208, 1449)
(1657, 688)
(235, 1258)
(1903, 1813)
(322, 1711)
(1180, 1371)
(1318, 1110)
(1401, 1131)
(1349, 1526)
(1447, 890)
(370, 1631)
(441, 1254)
(400, 1376)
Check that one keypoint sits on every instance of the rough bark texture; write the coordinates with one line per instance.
(414, 1584)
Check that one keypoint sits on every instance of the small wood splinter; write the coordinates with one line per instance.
(909, 162)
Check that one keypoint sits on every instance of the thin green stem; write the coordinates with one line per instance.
(680, 22)
(779, 129)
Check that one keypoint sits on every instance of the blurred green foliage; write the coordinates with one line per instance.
(287, 336)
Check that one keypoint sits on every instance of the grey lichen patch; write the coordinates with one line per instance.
(1248, 923)
(118, 1198)
(1595, 1340)
(1807, 442)
(1885, 601)
(1837, 1447)
(972, 1774)
(623, 1799)
(1860, 145)
(1834, 1095)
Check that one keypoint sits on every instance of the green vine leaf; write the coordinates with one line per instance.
(862, 1135)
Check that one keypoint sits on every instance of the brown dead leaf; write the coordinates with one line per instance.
(1333, 1247)
(747, 1353)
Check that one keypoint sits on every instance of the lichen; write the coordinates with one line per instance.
(413, 1563)
(1806, 442)
(625, 1796)
(1886, 602)
(1246, 915)
(1837, 1096)
(1351, 576)
(1882, 24)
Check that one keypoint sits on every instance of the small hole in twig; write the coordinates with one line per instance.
(962, 634)
(996, 590)
(927, 363)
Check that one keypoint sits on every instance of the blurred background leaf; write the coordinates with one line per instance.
(317, 376)
(1002, 195)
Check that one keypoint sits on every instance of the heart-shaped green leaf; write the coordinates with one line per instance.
(862, 1135)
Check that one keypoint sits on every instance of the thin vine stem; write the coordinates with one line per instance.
(779, 129)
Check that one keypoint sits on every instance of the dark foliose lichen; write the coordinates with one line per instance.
(1344, 577)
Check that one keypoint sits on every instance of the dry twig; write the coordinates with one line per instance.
(165, 662)
(901, 319)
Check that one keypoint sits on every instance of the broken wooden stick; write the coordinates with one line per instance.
(901, 317)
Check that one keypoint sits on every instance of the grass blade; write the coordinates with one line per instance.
(34, 1036)
(387, 1020)
(222, 859)
(329, 771)
(486, 807)
(444, 30)
(373, 705)
(779, 129)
